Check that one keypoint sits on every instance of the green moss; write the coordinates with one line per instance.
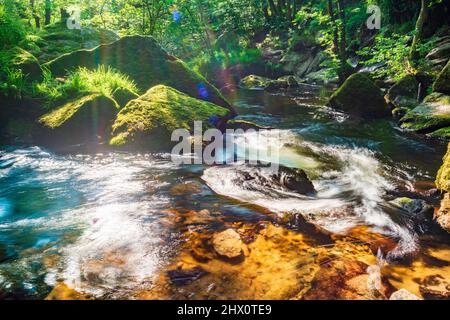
(404, 93)
(59, 116)
(433, 114)
(443, 133)
(159, 112)
(360, 96)
(19, 59)
(443, 176)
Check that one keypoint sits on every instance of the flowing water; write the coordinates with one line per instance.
(104, 225)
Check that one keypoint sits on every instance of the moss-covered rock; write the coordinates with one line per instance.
(442, 83)
(432, 115)
(20, 59)
(145, 62)
(83, 120)
(254, 82)
(359, 96)
(443, 176)
(149, 120)
(404, 93)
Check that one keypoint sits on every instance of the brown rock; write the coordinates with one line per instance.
(228, 243)
(435, 287)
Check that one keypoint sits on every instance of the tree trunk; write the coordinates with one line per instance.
(273, 8)
(335, 29)
(48, 12)
(423, 16)
(37, 19)
(343, 42)
(64, 15)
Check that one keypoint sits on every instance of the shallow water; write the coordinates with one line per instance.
(108, 225)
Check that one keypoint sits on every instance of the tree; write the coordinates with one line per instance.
(423, 16)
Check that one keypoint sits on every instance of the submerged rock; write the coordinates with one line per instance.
(85, 119)
(359, 96)
(144, 61)
(417, 211)
(181, 277)
(149, 120)
(442, 83)
(404, 93)
(403, 294)
(432, 116)
(435, 287)
(228, 244)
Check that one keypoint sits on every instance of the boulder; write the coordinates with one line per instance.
(359, 96)
(418, 212)
(432, 116)
(85, 119)
(435, 287)
(403, 294)
(443, 214)
(254, 82)
(442, 51)
(228, 244)
(20, 59)
(145, 62)
(255, 178)
(442, 83)
(443, 176)
(149, 120)
(404, 93)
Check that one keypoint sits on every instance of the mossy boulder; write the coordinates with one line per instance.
(432, 116)
(404, 93)
(359, 96)
(145, 62)
(254, 82)
(443, 176)
(84, 120)
(148, 121)
(442, 83)
(20, 59)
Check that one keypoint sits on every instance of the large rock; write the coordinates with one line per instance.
(442, 83)
(83, 120)
(145, 62)
(404, 93)
(432, 116)
(253, 82)
(360, 96)
(443, 176)
(149, 120)
(228, 244)
(256, 178)
(20, 59)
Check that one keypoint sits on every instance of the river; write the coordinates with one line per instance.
(111, 225)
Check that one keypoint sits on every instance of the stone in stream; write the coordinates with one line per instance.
(228, 244)
(417, 211)
(431, 117)
(404, 93)
(443, 184)
(149, 120)
(292, 179)
(181, 277)
(403, 294)
(359, 96)
(435, 287)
